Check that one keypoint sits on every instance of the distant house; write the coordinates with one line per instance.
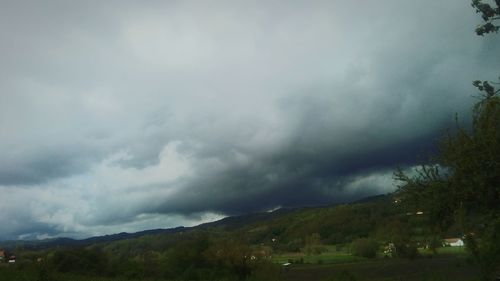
(418, 213)
(2, 255)
(12, 259)
(453, 242)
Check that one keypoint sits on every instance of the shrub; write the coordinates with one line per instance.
(407, 250)
(365, 247)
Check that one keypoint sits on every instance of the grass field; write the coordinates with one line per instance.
(326, 258)
(425, 269)
(449, 264)
(331, 255)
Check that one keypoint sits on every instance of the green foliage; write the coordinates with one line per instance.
(231, 256)
(365, 247)
(186, 256)
(474, 160)
(313, 245)
(294, 245)
(406, 249)
(44, 272)
(486, 251)
(489, 13)
(467, 192)
(81, 261)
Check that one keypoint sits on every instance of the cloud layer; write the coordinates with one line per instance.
(122, 116)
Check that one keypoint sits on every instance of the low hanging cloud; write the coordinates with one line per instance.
(122, 116)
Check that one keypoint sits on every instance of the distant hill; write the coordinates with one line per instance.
(264, 220)
(231, 223)
(59, 242)
(373, 198)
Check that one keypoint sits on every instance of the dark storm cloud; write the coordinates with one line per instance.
(43, 165)
(303, 173)
(119, 117)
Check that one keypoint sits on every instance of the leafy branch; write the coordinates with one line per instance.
(486, 88)
(489, 13)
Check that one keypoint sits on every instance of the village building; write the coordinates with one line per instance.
(453, 242)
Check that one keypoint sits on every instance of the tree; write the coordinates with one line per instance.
(232, 256)
(461, 185)
(489, 13)
(365, 247)
(313, 245)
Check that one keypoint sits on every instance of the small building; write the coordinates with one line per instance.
(2, 255)
(453, 242)
(12, 259)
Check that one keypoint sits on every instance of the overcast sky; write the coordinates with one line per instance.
(130, 115)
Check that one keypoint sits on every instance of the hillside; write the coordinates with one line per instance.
(235, 247)
(251, 223)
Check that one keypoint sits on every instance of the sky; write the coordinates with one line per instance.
(132, 115)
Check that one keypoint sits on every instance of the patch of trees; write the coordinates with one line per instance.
(80, 261)
(193, 257)
(461, 186)
(365, 247)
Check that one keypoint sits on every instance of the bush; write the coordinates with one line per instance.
(294, 245)
(85, 261)
(407, 250)
(365, 247)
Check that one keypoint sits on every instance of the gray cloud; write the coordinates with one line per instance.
(120, 117)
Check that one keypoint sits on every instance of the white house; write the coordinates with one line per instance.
(453, 242)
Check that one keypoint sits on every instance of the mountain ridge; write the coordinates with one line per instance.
(227, 223)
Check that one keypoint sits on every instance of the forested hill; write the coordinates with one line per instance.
(223, 248)
(265, 220)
